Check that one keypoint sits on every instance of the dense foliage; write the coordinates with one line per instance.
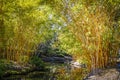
(87, 29)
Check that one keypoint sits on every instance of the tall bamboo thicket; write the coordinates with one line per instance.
(24, 25)
(93, 26)
(89, 29)
(15, 40)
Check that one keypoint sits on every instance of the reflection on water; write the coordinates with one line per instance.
(56, 72)
(31, 76)
(38, 75)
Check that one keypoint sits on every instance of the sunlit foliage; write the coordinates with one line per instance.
(86, 29)
(24, 24)
(91, 25)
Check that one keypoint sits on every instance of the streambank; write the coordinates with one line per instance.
(107, 74)
(51, 64)
(55, 68)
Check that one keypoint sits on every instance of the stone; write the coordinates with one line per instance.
(109, 74)
(77, 65)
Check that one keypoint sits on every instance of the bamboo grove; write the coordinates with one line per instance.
(93, 26)
(87, 29)
(23, 27)
(94, 31)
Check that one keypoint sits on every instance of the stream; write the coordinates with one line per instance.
(56, 68)
(41, 75)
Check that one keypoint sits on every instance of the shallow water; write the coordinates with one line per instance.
(31, 76)
(39, 75)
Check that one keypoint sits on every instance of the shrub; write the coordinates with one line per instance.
(2, 68)
(37, 62)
